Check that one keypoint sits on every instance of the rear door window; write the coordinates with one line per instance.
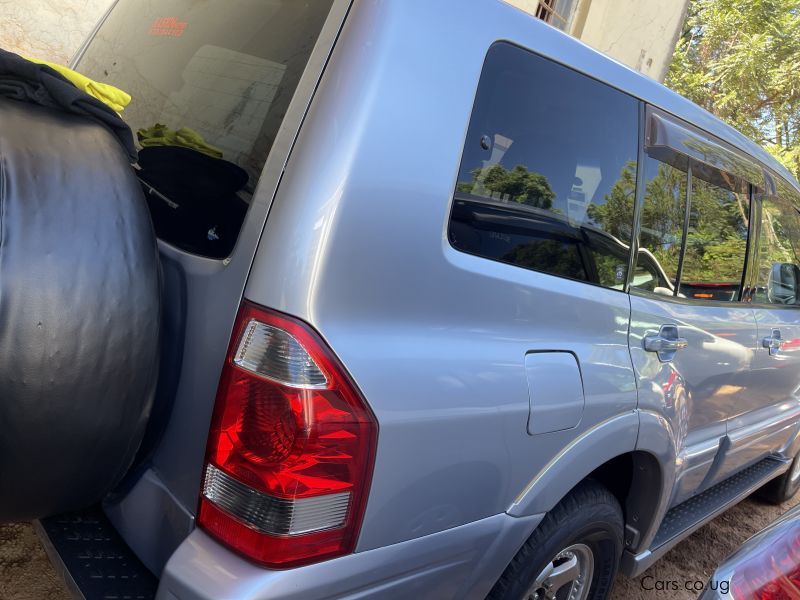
(778, 273)
(661, 229)
(716, 241)
(695, 215)
(548, 174)
(210, 83)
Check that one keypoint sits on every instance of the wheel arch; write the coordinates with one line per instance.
(632, 455)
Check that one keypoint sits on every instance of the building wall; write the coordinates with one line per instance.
(640, 33)
(48, 29)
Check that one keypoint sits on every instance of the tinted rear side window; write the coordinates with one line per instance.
(661, 229)
(716, 242)
(778, 275)
(548, 172)
(210, 83)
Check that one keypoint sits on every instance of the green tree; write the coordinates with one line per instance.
(716, 240)
(740, 60)
(518, 185)
(615, 215)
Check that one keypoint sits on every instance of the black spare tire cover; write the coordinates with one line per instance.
(79, 312)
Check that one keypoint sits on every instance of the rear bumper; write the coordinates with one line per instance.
(463, 562)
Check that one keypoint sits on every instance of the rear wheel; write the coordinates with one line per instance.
(783, 488)
(573, 554)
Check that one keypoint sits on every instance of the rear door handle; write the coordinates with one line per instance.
(665, 343)
(773, 343)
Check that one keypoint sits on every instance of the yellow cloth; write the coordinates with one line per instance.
(107, 94)
(161, 135)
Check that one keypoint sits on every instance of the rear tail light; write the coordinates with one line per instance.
(773, 572)
(291, 446)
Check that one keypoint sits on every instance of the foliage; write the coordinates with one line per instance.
(740, 60)
(663, 214)
(717, 232)
(615, 215)
(518, 185)
(717, 237)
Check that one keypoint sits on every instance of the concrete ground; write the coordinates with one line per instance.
(26, 574)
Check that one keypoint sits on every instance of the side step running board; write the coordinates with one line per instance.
(684, 519)
(93, 559)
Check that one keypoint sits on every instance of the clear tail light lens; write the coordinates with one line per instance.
(291, 446)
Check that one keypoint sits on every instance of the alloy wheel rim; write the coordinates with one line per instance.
(567, 576)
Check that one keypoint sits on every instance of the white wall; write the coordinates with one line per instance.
(640, 33)
(48, 29)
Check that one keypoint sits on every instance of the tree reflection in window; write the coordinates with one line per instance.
(544, 183)
(582, 244)
(779, 248)
(517, 185)
(716, 242)
(663, 213)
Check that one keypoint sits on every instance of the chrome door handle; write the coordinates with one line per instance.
(665, 343)
(774, 342)
(656, 343)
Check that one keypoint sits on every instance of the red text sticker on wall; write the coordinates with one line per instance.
(168, 27)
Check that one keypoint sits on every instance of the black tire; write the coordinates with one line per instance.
(782, 488)
(589, 515)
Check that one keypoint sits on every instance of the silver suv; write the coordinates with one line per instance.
(463, 308)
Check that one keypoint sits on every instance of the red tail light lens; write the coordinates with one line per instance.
(773, 572)
(291, 447)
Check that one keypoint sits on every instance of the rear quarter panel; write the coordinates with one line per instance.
(356, 244)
